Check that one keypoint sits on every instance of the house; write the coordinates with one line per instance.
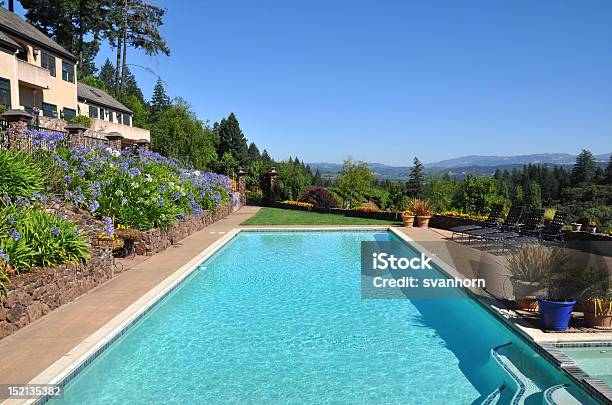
(39, 76)
(35, 72)
(107, 114)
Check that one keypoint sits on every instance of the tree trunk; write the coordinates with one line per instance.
(125, 28)
(118, 65)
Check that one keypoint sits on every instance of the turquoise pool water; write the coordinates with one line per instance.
(277, 317)
(596, 361)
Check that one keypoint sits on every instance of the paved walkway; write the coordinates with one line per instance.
(29, 351)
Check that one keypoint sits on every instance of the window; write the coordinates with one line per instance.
(93, 112)
(22, 54)
(69, 113)
(5, 93)
(119, 120)
(48, 62)
(110, 116)
(126, 119)
(67, 71)
(102, 113)
(49, 109)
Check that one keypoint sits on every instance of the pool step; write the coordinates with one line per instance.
(511, 359)
(559, 395)
(495, 397)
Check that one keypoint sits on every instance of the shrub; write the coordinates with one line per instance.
(20, 175)
(32, 237)
(420, 208)
(535, 263)
(319, 197)
(81, 119)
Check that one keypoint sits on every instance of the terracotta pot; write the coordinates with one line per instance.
(525, 293)
(408, 220)
(599, 320)
(423, 221)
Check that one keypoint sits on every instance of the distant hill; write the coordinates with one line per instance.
(459, 167)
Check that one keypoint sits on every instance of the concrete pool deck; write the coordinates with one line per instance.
(31, 350)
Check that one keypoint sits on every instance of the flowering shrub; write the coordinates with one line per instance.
(297, 203)
(457, 214)
(367, 208)
(31, 237)
(141, 189)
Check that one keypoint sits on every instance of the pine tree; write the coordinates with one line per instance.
(608, 177)
(160, 100)
(253, 153)
(584, 169)
(231, 139)
(131, 87)
(265, 157)
(107, 75)
(316, 179)
(416, 180)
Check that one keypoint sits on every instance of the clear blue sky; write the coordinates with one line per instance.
(384, 81)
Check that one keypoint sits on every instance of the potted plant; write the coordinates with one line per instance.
(529, 266)
(408, 218)
(562, 285)
(596, 298)
(592, 226)
(422, 210)
(576, 226)
(54, 114)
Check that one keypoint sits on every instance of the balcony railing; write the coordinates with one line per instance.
(33, 75)
(127, 131)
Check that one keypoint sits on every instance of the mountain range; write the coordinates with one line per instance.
(459, 167)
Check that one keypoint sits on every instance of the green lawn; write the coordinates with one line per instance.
(277, 216)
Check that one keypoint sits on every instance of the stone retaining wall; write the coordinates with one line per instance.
(156, 240)
(34, 294)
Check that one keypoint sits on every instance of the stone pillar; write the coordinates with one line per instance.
(143, 144)
(114, 139)
(270, 187)
(76, 132)
(242, 185)
(17, 125)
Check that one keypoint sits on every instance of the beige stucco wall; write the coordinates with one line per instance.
(132, 133)
(8, 70)
(60, 92)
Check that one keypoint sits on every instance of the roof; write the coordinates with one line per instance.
(100, 97)
(5, 39)
(14, 25)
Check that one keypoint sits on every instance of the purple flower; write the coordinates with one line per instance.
(109, 228)
(94, 205)
(15, 235)
(11, 219)
(160, 201)
(133, 172)
(67, 179)
(21, 201)
(55, 231)
(7, 199)
(175, 195)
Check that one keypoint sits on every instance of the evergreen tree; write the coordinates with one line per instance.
(253, 153)
(416, 180)
(584, 169)
(107, 75)
(265, 157)
(131, 87)
(160, 100)
(316, 179)
(231, 139)
(608, 173)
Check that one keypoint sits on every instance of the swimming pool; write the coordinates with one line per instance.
(277, 317)
(595, 360)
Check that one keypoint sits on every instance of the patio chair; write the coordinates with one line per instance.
(532, 224)
(491, 221)
(510, 223)
(551, 233)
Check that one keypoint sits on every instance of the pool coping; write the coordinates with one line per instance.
(70, 364)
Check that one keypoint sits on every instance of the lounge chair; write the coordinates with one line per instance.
(509, 224)
(491, 221)
(531, 225)
(553, 232)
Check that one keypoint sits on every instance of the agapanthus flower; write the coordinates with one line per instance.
(11, 219)
(94, 205)
(109, 228)
(15, 235)
(21, 201)
(55, 231)
(4, 256)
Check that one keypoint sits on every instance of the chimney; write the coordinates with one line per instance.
(11, 6)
